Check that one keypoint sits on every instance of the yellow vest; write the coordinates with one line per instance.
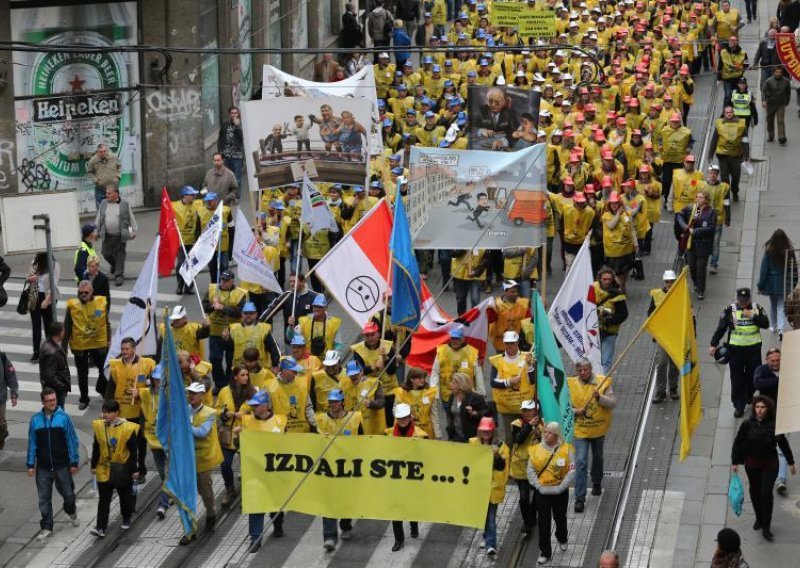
(499, 477)
(597, 419)
(452, 361)
(261, 377)
(207, 451)
(600, 296)
(275, 424)
(290, 399)
(246, 336)
(310, 365)
(149, 403)
(329, 426)
(225, 402)
(325, 330)
(130, 377)
(421, 402)
(558, 467)
(520, 452)
(577, 224)
(89, 324)
(509, 316)
(418, 432)
(730, 133)
(509, 400)
(745, 333)
(674, 143)
(658, 296)
(514, 265)
(323, 385)
(186, 219)
(205, 215)
(202, 368)
(84, 246)
(685, 187)
(640, 222)
(719, 193)
(115, 439)
(374, 419)
(618, 241)
(726, 24)
(653, 204)
(228, 298)
(461, 267)
(315, 246)
(186, 338)
(371, 356)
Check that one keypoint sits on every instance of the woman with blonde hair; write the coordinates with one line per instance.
(99, 281)
(466, 410)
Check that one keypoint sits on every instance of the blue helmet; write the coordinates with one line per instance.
(319, 302)
(298, 340)
(261, 397)
(210, 196)
(249, 307)
(188, 190)
(353, 368)
(290, 364)
(336, 395)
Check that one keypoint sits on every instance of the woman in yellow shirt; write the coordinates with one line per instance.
(619, 238)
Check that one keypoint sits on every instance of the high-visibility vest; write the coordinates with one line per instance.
(327, 425)
(618, 241)
(557, 469)
(745, 333)
(719, 195)
(185, 338)
(741, 103)
(112, 441)
(577, 224)
(421, 402)
(658, 296)
(186, 218)
(371, 356)
(597, 419)
(727, 22)
(729, 64)
(674, 143)
(261, 377)
(83, 247)
(374, 419)
(126, 377)
(228, 298)
(290, 399)
(452, 361)
(149, 403)
(519, 452)
(207, 451)
(89, 323)
(327, 329)
(499, 477)
(509, 316)
(685, 187)
(323, 385)
(461, 266)
(509, 400)
(246, 336)
(275, 424)
(640, 222)
(729, 137)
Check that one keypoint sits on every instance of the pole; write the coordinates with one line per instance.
(544, 272)
(194, 283)
(45, 218)
(621, 357)
(297, 268)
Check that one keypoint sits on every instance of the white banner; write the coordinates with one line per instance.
(204, 249)
(249, 258)
(788, 418)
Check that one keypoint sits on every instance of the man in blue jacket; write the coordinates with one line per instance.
(53, 457)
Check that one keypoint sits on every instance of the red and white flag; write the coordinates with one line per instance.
(435, 330)
(356, 270)
(170, 239)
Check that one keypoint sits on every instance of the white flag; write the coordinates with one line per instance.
(204, 249)
(139, 316)
(250, 259)
(315, 209)
(573, 315)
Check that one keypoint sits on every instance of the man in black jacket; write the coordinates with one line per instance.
(765, 381)
(697, 223)
(789, 14)
(53, 365)
(409, 11)
(766, 56)
(352, 35)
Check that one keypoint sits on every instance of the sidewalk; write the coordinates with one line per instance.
(700, 483)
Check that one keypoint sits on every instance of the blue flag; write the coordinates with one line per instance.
(406, 282)
(551, 381)
(174, 431)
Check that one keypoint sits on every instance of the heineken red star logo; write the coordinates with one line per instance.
(77, 84)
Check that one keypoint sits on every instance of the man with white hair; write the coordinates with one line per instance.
(608, 559)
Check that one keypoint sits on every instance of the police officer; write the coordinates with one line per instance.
(526, 431)
(593, 400)
(252, 333)
(87, 332)
(223, 305)
(742, 320)
(336, 421)
(320, 330)
(666, 371)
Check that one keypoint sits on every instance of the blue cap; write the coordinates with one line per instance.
(387, 122)
(158, 372)
(481, 6)
(463, 16)
(443, 144)
(448, 63)
(396, 157)
(457, 333)
(411, 111)
(381, 103)
(398, 73)
(336, 395)
(188, 190)
(249, 307)
(461, 119)
(480, 33)
(436, 68)
(377, 184)
(428, 59)
(298, 340)
(408, 64)
(430, 114)
(352, 369)
(484, 62)
(402, 87)
(290, 364)
(455, 101)
(398, 171)
(210, 196)
(471, 74)
(449, 83)
(261, 397)
(358, 188)
(277, 204)
(426, 101)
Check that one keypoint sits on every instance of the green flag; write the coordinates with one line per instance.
(551, 381)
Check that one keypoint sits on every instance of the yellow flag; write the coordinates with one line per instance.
(671, 325)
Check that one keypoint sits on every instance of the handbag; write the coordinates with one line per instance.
(736, 494)
(225, 435)
(637, 273)
(119, 474)
(23, 306)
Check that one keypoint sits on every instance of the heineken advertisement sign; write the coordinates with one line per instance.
(68, 102)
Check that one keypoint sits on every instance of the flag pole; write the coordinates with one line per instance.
(619, 359)
(297, 268)
(388, 278)
(544, 272)
(194, 283)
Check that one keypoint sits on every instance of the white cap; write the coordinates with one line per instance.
(538, 77)
(557, 132)
(529, 405)
(510, 337)
(332, 358)
(540, 133)
(196, 387)
(178, 312)
(544, 112)
(713, 167)
(670, 275)
(520, 73)
(383, 55)
(509, 284)
(402, 410)
(567, 77)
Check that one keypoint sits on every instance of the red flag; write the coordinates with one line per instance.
(170, 240)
